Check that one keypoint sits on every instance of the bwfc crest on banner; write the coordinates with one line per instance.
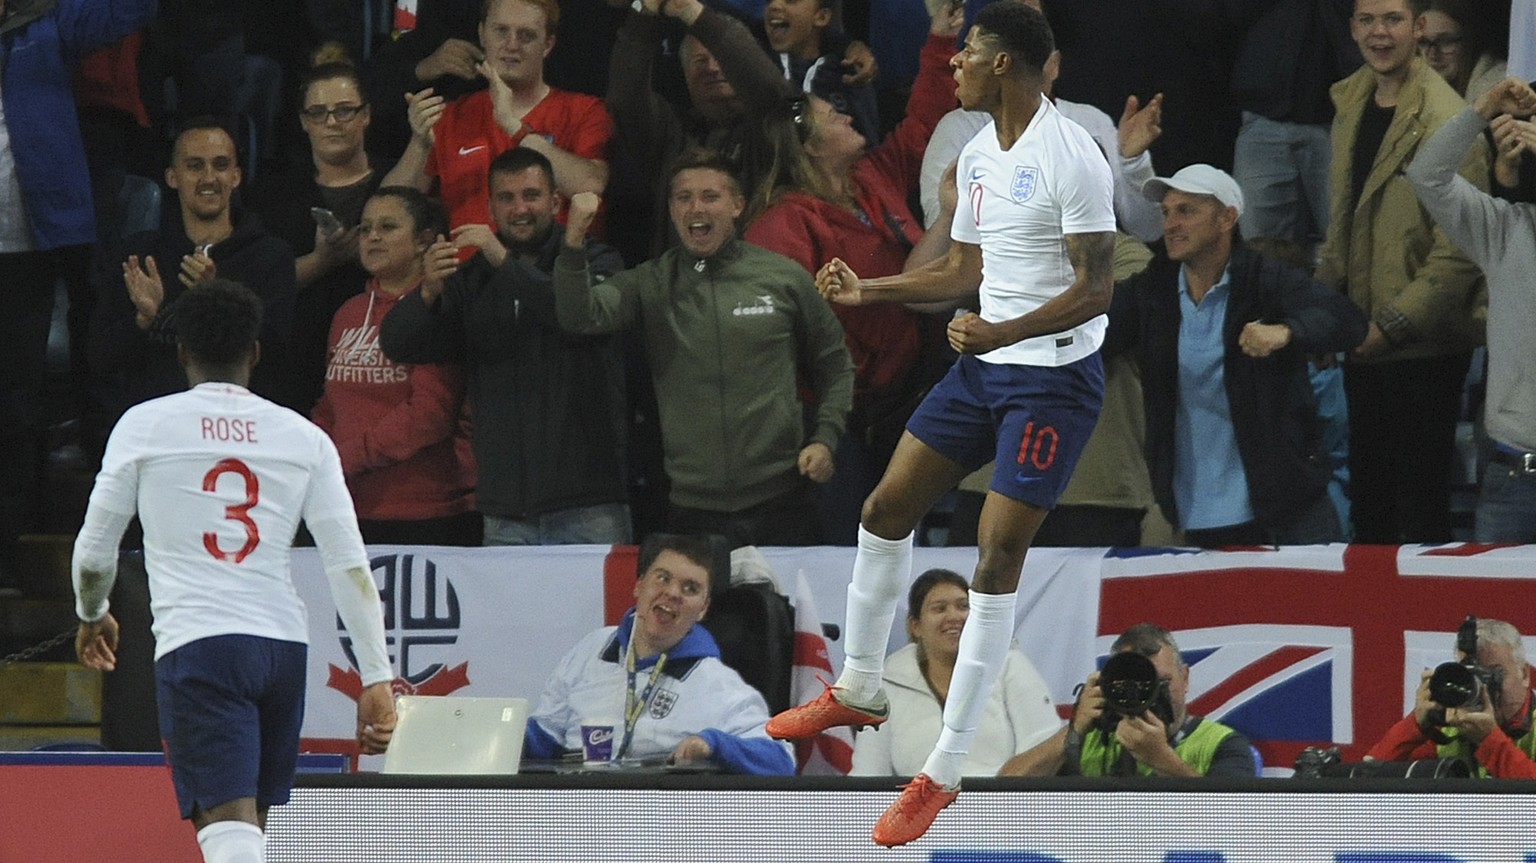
(1023, 186)
(421, 625)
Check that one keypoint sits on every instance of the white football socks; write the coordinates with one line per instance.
(231, 842)
(983, 649)
(881, 570)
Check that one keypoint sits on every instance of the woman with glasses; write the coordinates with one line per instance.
(338, 177)
(1456, 44)
(829, 196)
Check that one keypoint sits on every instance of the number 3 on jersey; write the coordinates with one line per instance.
(238, 512)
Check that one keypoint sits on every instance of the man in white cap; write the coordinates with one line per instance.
(1223, 335)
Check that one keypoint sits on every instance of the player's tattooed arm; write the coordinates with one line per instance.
(1092, 258)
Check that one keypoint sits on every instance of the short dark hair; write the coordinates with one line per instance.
(917, 594)
(702, 158)
(1147, 639)
(1020, 30)
(330, 72)
(202, 123)
(426, 212)
(520, 159)
(218, 322)
(696, 547)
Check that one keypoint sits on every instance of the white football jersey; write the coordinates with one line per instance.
(1018, 205)
(220, 478)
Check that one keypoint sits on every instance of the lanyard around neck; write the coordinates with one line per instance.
(635, 705)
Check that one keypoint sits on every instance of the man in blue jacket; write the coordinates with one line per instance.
(45, 214)
(1223, 335)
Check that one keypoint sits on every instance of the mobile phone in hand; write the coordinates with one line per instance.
(326, 220)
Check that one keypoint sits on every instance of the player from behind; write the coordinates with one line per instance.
(1035, 232)
(219, 478)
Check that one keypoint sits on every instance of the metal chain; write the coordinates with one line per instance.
(39, 648)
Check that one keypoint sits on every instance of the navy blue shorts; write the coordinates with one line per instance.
(1033, 421)
(230, 711)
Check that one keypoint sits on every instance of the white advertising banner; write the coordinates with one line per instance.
(494, 621)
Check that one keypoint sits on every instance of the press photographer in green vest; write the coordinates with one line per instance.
(1478, 707)
(1131, 720)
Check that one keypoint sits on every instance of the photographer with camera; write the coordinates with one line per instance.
(1478, 707)
(1131, 719)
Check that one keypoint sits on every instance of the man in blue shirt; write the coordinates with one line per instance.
(1223, 335)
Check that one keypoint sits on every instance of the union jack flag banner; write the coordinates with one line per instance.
(1316, 645)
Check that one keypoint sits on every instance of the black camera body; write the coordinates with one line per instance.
(1318, 763)
(1462, 684)
(1131, 687)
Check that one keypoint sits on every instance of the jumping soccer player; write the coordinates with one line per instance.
(1035, 231)
(220, 478)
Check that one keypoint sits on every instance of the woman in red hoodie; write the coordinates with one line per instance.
(832, 196)
(400, 429)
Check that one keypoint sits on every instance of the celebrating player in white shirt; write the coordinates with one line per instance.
(220, 478)
(1035, 232)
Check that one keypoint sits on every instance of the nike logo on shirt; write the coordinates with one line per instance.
(465, 151)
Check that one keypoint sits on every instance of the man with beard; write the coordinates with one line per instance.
(548, 405)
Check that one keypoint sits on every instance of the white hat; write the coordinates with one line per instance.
(1198, 180)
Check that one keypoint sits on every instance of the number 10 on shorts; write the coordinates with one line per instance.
(1038, 447)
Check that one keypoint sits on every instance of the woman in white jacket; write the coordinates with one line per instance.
(1018, 716)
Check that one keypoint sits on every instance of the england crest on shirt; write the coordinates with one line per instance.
(1023, 186)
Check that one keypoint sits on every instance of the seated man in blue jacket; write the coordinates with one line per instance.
(658, 680)
(1233, 443)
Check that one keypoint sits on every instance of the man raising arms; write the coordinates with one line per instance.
(220, 478)
(1036, 233)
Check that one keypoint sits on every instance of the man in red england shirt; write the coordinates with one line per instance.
(455, 142)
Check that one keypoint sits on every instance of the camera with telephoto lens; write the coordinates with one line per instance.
(1131, 687)
(1319, 763)
(1462, 684)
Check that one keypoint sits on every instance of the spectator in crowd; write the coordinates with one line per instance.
(1164, 740)
(230, 631)
(206, 236)
(454, 142)
(1222, 336)
(729, 329)
(843, 199)
(1018, 716)
(399, 428)
(657, 678)
(1497, 732)
(46, 215)
(432, 46)
(809, 44)
(731, 85)
(1456, 43)
(1288, 54)
(339, 177)
(549, 406)
(1423, 297)
(1499, 237)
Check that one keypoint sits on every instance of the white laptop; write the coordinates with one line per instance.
(453, 734)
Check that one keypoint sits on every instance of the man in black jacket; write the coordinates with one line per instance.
(133, 327)
(1233, 444)
(549, 406)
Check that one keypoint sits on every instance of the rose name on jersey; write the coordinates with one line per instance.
(228, 430)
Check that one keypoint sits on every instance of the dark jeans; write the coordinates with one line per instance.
(463, 529)
(789, 519)
(1402, 434)
(1066, 526)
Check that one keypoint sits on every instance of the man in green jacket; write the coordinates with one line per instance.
(729, 330)
(1164, 740)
